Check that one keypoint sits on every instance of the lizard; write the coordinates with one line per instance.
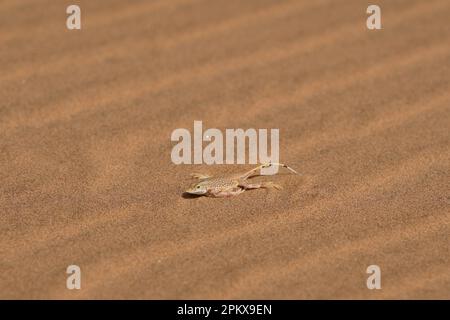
(219, 187)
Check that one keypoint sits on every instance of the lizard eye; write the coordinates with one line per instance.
(198, 187)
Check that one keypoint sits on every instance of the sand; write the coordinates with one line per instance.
(87, 179)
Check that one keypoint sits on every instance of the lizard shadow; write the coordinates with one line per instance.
(186, 195)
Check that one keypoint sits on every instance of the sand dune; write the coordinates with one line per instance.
(87, 179)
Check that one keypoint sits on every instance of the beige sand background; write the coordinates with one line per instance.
(86, 176)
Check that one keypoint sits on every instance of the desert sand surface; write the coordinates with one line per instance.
(86, 176)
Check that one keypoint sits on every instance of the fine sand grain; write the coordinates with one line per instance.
(86, 176)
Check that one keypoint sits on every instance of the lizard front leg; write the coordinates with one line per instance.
(200, 176)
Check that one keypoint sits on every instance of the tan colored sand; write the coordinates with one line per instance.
(85, 170)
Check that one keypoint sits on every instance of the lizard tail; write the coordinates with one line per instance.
(253, 172)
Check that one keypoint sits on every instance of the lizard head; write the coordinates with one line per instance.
(198, 188)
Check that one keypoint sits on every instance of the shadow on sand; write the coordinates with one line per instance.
(186, 195)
